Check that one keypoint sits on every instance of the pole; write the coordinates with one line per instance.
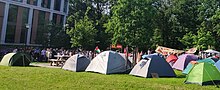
(126, 56)
(25, 41)
(134, 56)
(25, 36)
(23, 60)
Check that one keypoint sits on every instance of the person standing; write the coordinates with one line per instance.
(48, 53)
(37, 54)
(15, 50)
(148, 51)
(43, 55)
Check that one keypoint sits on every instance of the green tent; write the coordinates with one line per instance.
(190, 65)
(16, 59)
(203, 74)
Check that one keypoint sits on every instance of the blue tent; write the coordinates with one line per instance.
(217, 64)
(155, 64)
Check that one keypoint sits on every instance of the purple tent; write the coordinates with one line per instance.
(183, 61)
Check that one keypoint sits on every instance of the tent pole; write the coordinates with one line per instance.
(23, 60)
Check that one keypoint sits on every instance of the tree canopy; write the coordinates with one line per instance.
(145, 24)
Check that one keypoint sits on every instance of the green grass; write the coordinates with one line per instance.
(37, 78)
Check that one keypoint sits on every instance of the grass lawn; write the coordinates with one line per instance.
(38, 78)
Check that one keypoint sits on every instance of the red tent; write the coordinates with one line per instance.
(172, 58)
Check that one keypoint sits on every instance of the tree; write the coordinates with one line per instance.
(98, 14)
(146, 23)
(130, 23)
(52, 35)
(189, 40)
(209, 17)
(157, 38)
(204, 40)
(216, 27)
(174, 18)
(83, 33)
(56, 36)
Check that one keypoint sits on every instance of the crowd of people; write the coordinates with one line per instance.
(44, 54)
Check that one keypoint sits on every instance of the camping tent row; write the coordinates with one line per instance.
(182, 61)
(16, 59)
(109, 62)
(175, 62)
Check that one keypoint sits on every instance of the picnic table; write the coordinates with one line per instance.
(61, 59)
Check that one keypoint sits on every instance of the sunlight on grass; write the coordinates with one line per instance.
(19, 78)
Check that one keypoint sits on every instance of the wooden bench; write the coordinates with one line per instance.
(56, 62)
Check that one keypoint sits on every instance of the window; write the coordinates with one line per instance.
(11, 26)
(24, 30)
(57, 5)
(2, 9)
(58, 19)
(39, 29)
(32, 2)
(45, 3)
(17, 19)
(54, 18)
(61, 20)
(65, 6)
(18, 0)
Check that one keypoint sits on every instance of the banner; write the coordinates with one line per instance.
(116, 46)
(191, 50)
(166, 51)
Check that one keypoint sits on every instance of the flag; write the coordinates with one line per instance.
(97, 49)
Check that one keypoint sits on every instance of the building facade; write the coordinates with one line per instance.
(21, 21)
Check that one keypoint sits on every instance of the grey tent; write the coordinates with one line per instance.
(108, 62)
(129, 62)
(76, 63)
(154, 64)
(16, 59)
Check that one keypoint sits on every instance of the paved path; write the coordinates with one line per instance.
(44, 65)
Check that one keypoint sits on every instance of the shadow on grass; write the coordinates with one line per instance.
(106, 73)
(181, 76)
(32, 66)
(25, 66)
